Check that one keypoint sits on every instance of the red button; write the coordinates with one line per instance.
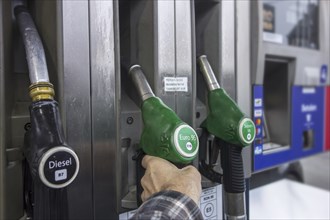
(258, 121)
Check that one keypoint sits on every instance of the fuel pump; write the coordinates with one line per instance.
(164, 135)
(232, 131)
(50, 165)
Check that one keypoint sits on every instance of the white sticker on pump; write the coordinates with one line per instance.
(257, 102)
(176, 84)
(273, 37)
(210, 204)
(258, 113)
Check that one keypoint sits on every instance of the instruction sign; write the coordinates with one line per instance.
(176, 84)
(211, 203)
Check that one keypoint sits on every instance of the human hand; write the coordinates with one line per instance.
(163, 175)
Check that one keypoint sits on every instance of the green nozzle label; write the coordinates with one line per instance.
(186, 141)
(247, 131)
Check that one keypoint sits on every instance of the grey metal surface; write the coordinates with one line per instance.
(150, 42)
(228, 53)
(243, 55)
(208, 32)
(215, 37)
(105, 108)
(74, 75)
(140, 82)
(35, 53)
(11, 206)
(2, 119)
(148, 39)
(185, 59)
(207, 72)
(243, 71)
(165, 48)
(256, 29)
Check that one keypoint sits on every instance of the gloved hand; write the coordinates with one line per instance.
(163, 175)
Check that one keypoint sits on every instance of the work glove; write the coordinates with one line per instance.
(162, 175)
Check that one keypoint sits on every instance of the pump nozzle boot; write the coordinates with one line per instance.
(225, 119)
(233, 131)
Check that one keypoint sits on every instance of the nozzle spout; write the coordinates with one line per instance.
(141, 82)
(207, 72)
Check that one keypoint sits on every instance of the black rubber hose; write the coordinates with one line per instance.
(232, 166)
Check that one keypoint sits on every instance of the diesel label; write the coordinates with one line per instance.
(59, 167)
(63, 163)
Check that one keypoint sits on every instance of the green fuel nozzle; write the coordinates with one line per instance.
(233, 131)
(164, 135)
(225, 120)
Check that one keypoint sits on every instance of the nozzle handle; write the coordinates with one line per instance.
(208, 73)
(51, 165)
(141, 82)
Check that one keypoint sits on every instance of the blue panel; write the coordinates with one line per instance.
(307, 114)
(257, 117)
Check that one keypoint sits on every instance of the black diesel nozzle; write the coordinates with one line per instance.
(50, 164)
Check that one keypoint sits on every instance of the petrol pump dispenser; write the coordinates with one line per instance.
(51, 165)
(164, 134)
(233, 131)
(289, 62)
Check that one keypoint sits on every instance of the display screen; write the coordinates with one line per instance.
(291, 22)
